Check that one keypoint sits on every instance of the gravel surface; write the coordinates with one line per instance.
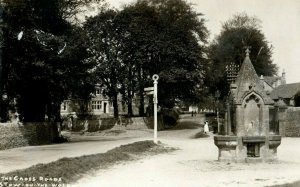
(195, 164)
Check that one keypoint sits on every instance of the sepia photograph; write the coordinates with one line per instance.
(155, 93)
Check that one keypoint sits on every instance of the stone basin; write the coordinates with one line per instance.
(274, 141)
(254, 139)
(227, 146)
(225, 141)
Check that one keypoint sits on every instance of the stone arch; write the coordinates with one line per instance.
(252, 105)
(253, 96)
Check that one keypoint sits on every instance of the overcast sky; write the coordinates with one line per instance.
(280, 24)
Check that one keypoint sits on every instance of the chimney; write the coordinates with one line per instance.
(283, 81)
(262, 81)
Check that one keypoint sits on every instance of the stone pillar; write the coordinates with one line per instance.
(282, 111)
(265, 121)
(225, 124)
(227, 132)
(239, 121)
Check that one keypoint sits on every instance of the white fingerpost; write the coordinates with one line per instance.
(155, 78)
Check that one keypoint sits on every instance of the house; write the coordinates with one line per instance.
(193, 108)
(99, 105)
(279, 90)
(271, 82)
(289, 93)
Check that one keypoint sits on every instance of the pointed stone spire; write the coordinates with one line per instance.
(247, 75)
(247, 79)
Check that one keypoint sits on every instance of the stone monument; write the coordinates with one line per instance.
(247, 128)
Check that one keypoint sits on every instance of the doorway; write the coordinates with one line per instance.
(104, 108)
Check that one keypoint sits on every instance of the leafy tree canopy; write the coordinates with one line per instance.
(229, 47)
(153, 37)
(43, 57)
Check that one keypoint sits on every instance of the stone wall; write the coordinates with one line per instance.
(93, 125)
(292, 122)
(19, 135)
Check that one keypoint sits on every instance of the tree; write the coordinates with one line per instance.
(166, 38)
(140, 23)
(146, 38)
(105, 46)
(44, 57)
(229, 47)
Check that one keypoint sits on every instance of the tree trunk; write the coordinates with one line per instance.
(129, 104)
(142, 100)
(141, 92)
(33, 112)
(115, 105)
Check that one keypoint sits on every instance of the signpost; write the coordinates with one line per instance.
(155, 101)
(150, 91)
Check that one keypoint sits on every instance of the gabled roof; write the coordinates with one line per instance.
(270, 80)
(285, 91)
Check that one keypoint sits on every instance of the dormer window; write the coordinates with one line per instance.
(64, 106)
(98, 91)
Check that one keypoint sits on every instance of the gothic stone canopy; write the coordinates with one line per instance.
(248, 82)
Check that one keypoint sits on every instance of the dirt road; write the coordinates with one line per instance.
(195, 164)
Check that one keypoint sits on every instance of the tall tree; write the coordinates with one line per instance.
(44, 57)
(229, 47)
(145, 38)
(167, 38)
(141, 24)
(105, 41)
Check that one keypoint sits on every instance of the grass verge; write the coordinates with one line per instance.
(69, 170)
(294, 184)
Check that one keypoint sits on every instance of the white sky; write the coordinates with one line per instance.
(280, 24)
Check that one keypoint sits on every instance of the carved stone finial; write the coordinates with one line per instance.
(247, 51)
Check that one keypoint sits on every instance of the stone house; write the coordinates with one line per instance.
(289, 93)
(99, 105)
(272, 82)
(279, 90)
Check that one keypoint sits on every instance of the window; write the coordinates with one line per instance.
(96, 105)
(64, 106)
(97, 91)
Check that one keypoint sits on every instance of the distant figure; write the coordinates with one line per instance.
(192, 113)
(206, 127)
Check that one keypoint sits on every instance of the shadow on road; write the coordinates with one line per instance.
(200, 135)
(186, 125)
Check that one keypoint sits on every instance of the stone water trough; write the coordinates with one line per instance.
(248, 137)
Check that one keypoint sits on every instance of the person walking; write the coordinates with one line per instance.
(206, 130)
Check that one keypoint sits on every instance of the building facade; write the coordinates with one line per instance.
(99, 105)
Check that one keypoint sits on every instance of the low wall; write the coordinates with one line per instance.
(93, 125)
(292, 122)
(19, 135)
